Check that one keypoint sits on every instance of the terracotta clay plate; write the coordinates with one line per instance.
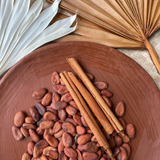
(127, 80)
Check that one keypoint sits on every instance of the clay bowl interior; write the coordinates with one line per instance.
(127, 80)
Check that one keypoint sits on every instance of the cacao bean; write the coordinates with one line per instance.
(39, 131)
(70, 152)
(62, 156)
(26, 156)
(77, 119)
(55, 79)
(90, 76)
(50, 116)
(37, 152)
(50, 109)
(55, 97)
(67, 139)
(57, 127)
(34, 113)
(40, 109)
(71, 110)
(123, 153)
(59, 133)
(62, 114)
(71, 121)
(17, 134)
(46, 124)
(120, 109)
(39, 94)
(48, 131)
(130, 130)
(73, 104)
(83, 139)
(47, 99)
(80, 130)
(88, 147)
(34, 135)
(38, 123)
(30, 148)
(66, 97)
(107, 100)
(60, 146)
(60, 89)
(53, 155)
(107, 93)
(79, 155)
(47, 149)
(112, 142)
(19, 119)
(29, 120)
(25, 132)
(58, 105)
(41, 144)
(51, 140)
(100, 85)
(128, 149)
(29, 126)
(68, 127)
(118, 141)
(89, 156)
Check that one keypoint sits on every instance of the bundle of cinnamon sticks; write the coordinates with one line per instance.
(90, 100)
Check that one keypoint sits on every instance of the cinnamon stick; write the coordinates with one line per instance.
(86, 113)
(105, 108)
(92, 104)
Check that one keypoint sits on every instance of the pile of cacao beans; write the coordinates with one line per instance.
(59, 131)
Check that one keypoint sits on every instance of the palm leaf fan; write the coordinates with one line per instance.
(123, 23)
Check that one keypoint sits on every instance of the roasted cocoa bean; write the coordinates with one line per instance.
(17, 134)
(34, 113)
(100, 85)
(51, 140)
(47, 99)
(107, 93)
(130, 130)
(79, 155)
(55, 79)
(90, 76)
(48, 131)
(62, 114)
(55, 97)
(88, 147)
(19, 119)
(50, 116)
(107, 100)
(122, 123)
(120, 109)
(29, 120)
(41, 144)
(60, 146)
(40, 109)
(37, 152)
(114, 133)
(112, 142)
(69, 127)
(30, 148)
(58, 105)
(118, 141)
(71, 110)
(47, 149)
(80, 130)
(50, 109)
(66, 97)
(59, 133)
(26, 156)
(115, 151)
(38, 123)
(29, 126)
(84, 122)
(83, 139)
(62, 156)
(25, 132)
(77, 119)
(53, 155)
(46, 124)
(57, 127)
(34, 135)
(73, 104)
(128, 149)
(89, 156)
(39, 131)
(71, 121)
(60, 89)
(67, 139)
(123, 153)
(70, 152)
(39, 94)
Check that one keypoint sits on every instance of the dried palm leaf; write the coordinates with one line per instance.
(24, 28)
(125, 23)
